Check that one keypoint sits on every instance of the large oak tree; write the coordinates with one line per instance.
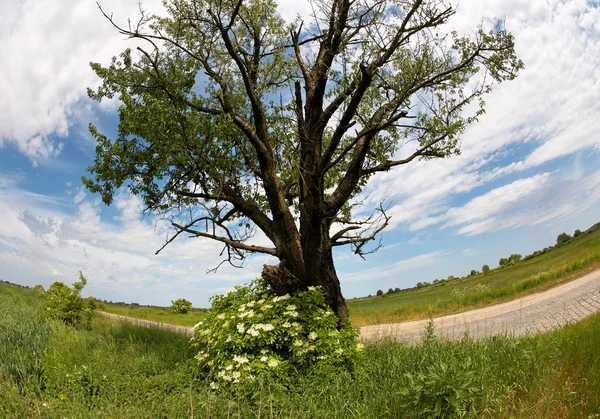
(233, 120)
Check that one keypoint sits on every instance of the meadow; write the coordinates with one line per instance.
(117, 370)
(554, 267)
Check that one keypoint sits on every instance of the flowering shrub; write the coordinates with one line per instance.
(181, 306)
(251, 332)
(67, 305)
(39, 290)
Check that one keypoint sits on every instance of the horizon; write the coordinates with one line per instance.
(529, 169)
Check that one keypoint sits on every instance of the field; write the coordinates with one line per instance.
(118, 370)
(556, 266)
(159, 314)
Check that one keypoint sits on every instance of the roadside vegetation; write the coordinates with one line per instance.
(115, 369)
(158, 314)
(516, 276)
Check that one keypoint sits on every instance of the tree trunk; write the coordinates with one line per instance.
(320, 271)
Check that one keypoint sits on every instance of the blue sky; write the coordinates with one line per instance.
(529, 169)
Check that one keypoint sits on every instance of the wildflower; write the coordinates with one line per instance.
(268, 327)
(253, 332)
(283, 297)
(240, 359)
(240, 328)
(298, 343)
(292, 313)
(312, 335)
(263, 359)
(226, 378)
(214, 386)
(273, 363)
(297, 326)
(287, 325)
(291, 307)
(236, 374)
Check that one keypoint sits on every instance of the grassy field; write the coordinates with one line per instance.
(559, 265)
(118, 370)
(159, 314)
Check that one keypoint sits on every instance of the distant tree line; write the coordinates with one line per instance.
(514, 258)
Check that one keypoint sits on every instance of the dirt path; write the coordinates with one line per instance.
(534, 313)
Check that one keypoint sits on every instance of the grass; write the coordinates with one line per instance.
(558, 265)
(158, 314)
(554, 267)
(120, 370)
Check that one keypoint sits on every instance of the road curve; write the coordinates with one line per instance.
(531, 314)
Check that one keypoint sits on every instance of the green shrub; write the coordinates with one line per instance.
(181, 306)
(67, 305)
(251, 332)
(39, 290)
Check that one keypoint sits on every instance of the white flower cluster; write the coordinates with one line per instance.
(281, 298)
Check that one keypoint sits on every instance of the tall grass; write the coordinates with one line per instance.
(118, 370)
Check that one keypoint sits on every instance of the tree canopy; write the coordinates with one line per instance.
(232, 119)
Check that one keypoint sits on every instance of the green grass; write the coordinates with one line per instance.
(158, 314)
(558, 265)
(118, 370)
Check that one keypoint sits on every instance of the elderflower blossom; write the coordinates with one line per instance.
(339, 351)
(312, 288)
(281, 298)
(240, 359)
(221, 316)
(273, 363)
(360, 346)
(292, 313)
(291, 307)
(214, 386)
(264, 359)
(196, 326)
(250, 304)
(312, 335)
(253, 332)
(287, 325)
(229, 367)
(236, 374)
(298, 343)
(240, 328)
(261, 301)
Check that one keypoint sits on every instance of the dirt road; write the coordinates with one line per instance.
(534, 313)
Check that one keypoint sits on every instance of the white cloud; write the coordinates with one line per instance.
(47, 47)
(391, 269)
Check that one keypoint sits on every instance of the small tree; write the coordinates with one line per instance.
(473, 272)
(562, 239)
(390, 291)
(181, 306)
(397, 290)
(503, 262)
(39, 290)
(485, 269)
(379, 292)
(577, 233)
(66, 304)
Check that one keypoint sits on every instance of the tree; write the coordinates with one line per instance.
(233, 120)
(379, 292)
(473, 272)
(397, 290)
(577, 233)
(503, 262)
(66, 304)
(485, 269)
(181, 306)
(562, 239)
(390, 291)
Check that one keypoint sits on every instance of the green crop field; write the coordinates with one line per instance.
(118, 370)
(558, 265)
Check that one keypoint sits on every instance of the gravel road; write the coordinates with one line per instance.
(531, 314)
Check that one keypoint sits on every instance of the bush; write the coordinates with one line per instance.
(251, 332)
(485, 269)
(379, 292)
(562, 239)
(67, 305)
(473, 272)
(39, 290)
(181, 306)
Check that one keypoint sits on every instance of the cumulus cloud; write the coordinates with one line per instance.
(550, 110)
(43, 239)
(47, 47)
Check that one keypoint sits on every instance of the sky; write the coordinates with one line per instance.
(529, 168)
